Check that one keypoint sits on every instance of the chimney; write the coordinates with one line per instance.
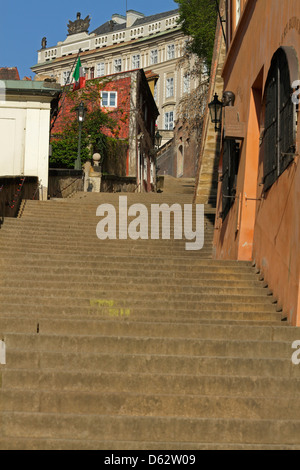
(132, 16)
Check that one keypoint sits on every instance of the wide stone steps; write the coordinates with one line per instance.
(124, 344)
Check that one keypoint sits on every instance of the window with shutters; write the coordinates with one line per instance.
(230, 166)
(279, 136)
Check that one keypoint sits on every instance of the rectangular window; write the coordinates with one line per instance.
(171, 52)
(117, 65)
(136, 61)
(154, 57)
(109, 99)
(100, 70)
(169, 121)
(169, 87)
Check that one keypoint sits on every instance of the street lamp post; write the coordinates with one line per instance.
(157, 144)
(81, 113)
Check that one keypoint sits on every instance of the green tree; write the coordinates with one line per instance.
(198, 20)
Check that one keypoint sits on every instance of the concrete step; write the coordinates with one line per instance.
(133, 273)
(208, 312)
(177, 262)
(144, 429)
(138, 290)
(131, 404)
(43, 280)
(200, 330)
(152, 363)
(86, 381)
(78, 444)
(168, 302)
(100, 344)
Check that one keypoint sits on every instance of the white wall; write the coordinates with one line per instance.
(24, 138)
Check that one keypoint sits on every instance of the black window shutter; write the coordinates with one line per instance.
(279, 134)
(226, 179)
(270, 134)
(287, 115)
(230, 170)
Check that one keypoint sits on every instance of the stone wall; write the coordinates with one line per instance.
(63, 183)
(115, 184)
(13, 189)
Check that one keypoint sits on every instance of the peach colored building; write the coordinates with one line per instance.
(258, 202)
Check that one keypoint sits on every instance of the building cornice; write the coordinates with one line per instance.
(68, 59)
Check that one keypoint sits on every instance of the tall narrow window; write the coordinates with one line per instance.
(169, 121)
(154, 57)
(169, 87)
(171, 52)
(280, 123)
(136, 60)
(117, 65)
(100, 70)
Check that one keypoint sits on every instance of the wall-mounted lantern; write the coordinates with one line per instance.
(215, 109)
(157, 141)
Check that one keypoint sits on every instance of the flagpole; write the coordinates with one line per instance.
(63, 92)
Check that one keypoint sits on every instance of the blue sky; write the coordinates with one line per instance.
(23, 24)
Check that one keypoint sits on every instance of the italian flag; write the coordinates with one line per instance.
(78, 76)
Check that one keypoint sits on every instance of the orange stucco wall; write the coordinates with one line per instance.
(265, 230)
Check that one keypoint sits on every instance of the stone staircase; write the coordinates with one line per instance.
(123, 344)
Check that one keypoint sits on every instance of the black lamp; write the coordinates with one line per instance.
(215, 109)
(81, 112)
(158, 139)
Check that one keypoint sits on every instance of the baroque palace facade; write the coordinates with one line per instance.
(154, 43)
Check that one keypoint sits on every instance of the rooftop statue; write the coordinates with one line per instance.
(79, 25)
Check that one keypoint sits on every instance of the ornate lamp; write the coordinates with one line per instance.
(215, 109)
(158, 139)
